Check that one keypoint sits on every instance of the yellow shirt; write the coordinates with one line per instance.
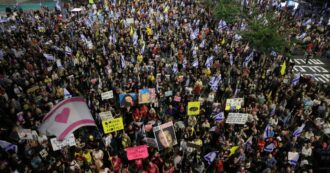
(149, 31)
(139, 58)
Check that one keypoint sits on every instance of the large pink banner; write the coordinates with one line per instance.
(139, 152)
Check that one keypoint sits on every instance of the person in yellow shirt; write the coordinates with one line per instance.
(139, 58)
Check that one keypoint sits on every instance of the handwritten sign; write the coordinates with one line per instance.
(112, 125)
(139, 152)
(107, 95)
(105, 115)
(234, 104)
(68, 141)
(237, 118)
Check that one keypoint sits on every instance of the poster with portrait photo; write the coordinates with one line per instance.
(165, 136)
(127, 100)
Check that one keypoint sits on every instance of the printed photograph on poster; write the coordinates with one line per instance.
(144, 96)
(127, 100)
(165, 135)
(234, 104)
(152, 92)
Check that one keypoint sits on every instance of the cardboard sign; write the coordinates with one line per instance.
(112, 125)
(105, 115)
(168, 93)
(237, 118)
(68, 141)
(127, 100)
(25, 134)
(139, 152)
(165, 135)
(194, 108)
(234, 104)
(107, 95)
(144, 96)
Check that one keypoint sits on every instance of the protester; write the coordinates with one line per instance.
(178, 49)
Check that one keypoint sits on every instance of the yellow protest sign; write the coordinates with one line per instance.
(91, 1)
(112, 125)
(194, 108)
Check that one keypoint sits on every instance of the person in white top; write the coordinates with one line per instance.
(306, 150)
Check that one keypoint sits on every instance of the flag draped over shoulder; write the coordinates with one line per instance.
(66, 117)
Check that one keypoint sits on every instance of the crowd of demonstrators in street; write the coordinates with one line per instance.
(180, 50)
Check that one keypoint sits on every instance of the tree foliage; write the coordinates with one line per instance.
(228, 10)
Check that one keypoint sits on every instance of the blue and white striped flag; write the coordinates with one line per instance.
(202, 45)
(58, 5)
(209, 62)
(6, 146)
(295, 80)
(293, 158)
(248, 59)
(175, 69)
(184, 63)
(67, 94)
(231, 59)
(123, 62)
(268, 133)
(83, 38)
(49, 57)
(298, 131)
(211, 156)
(195, 63)
(222, 24)
(68, 50)
(249, 141)
(269, 148)
(214, 82)
(219, 117)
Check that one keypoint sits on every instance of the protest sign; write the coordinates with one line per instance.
(139, 152)
(112, 125)
(194, 108)
(105, 115)
(168, 93)
(144, 96)
(127, 100)
(130, 20)
(177, 98)
(234, 104)
(165, 135)
(25, 134)
(107, 95)
(152, 92)
(68, 141)
(237, 118)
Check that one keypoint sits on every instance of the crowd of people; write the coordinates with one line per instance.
(174, 45)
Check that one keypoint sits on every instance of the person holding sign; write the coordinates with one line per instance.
(165, 138)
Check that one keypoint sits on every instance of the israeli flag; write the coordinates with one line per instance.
(123, 62)
(248, 59)
(202, 45)
(222, 24)
(268, 133)
(68, 50)
(83, 38)
(67, 94)
(175, 68)
(249, 141)
(194, 34)
(49, 57)
(295, 80)
(293, 158)
(298, 131)
(209, 62)
(231, 59)
(6, 146)
(212, 129)
(211, 156)
(195, 63)
(219, 117)
(269, 148)
(214, 82)
(135, 38)
(58, 6)
(184, 63)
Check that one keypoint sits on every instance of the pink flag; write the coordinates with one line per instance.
(66, 117)
(139, 152)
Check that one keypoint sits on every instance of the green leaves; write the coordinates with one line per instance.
(228, 10)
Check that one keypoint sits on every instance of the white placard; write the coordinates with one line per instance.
(130, 20)
(107, 95)
(105, 115)
(76, 10)
(68, 141)
(25, 134)
(237, 118)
